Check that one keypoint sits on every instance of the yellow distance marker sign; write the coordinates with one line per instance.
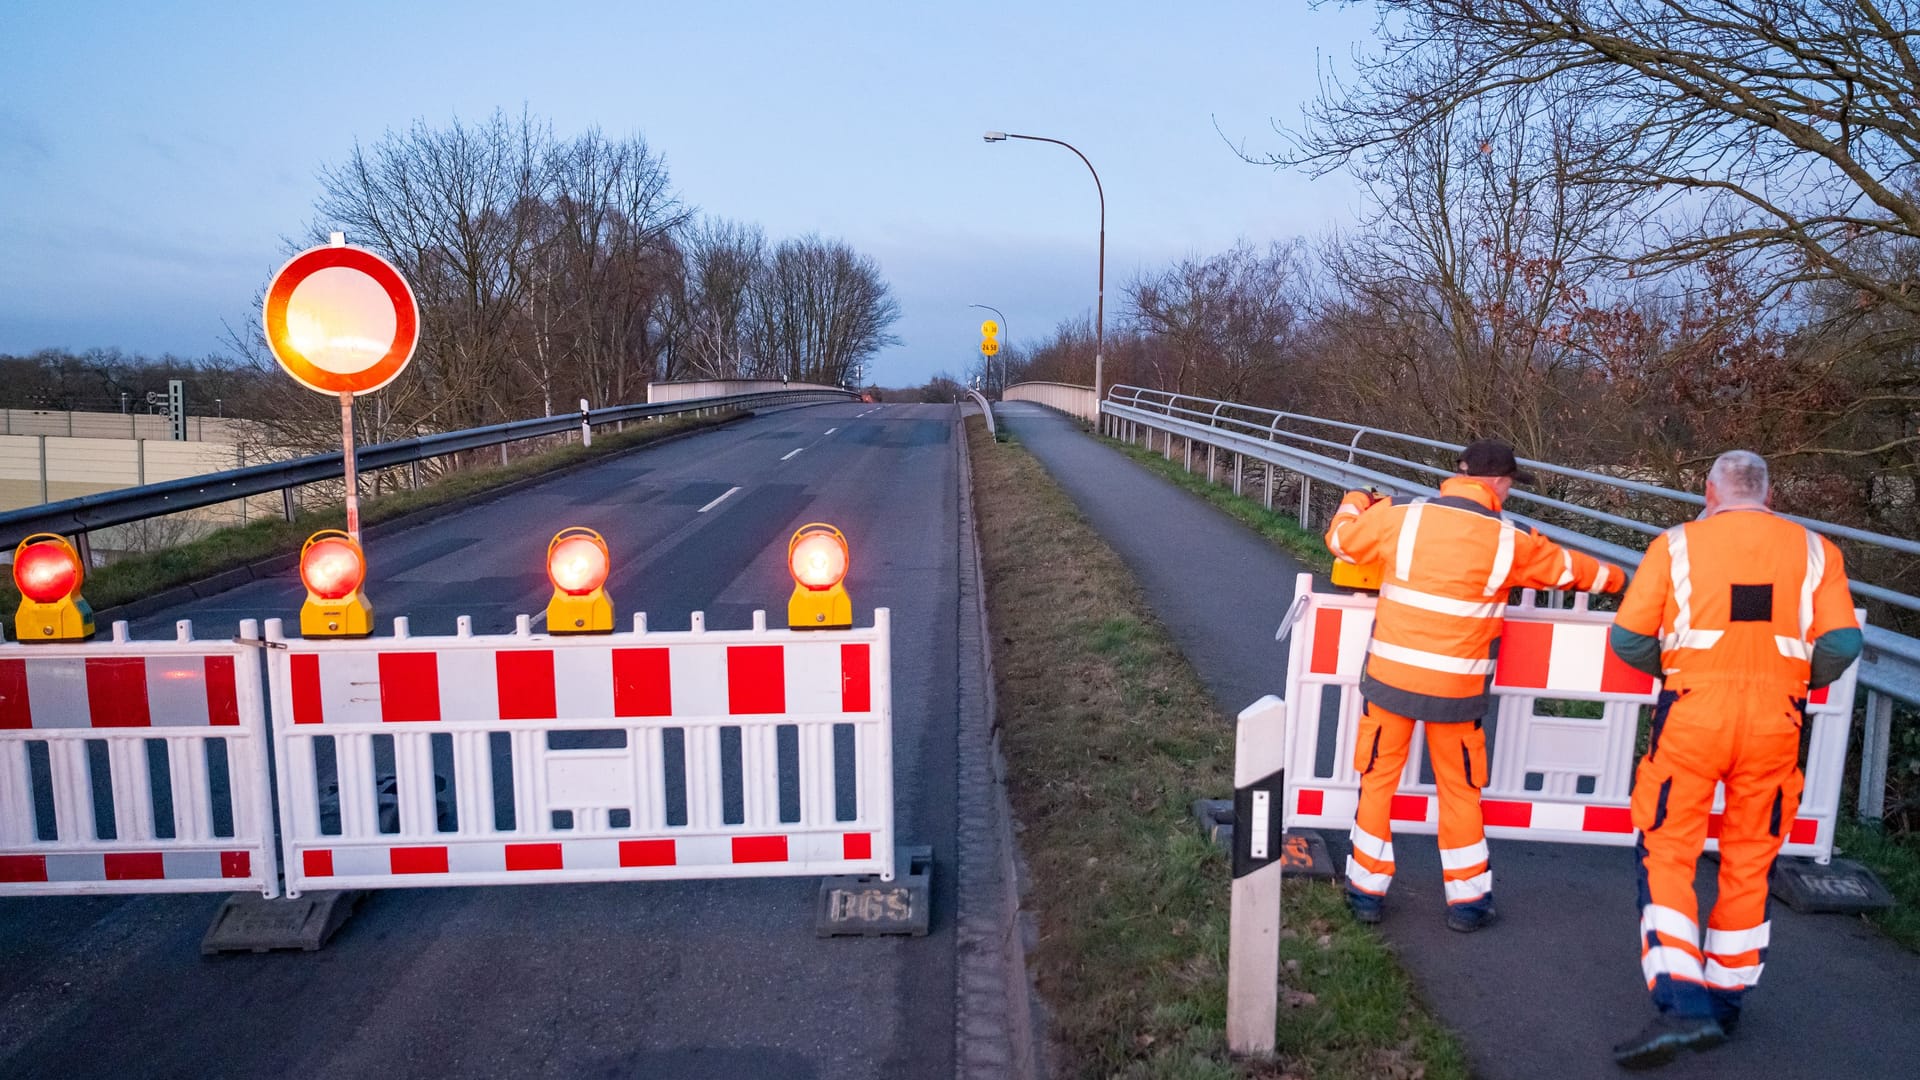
(341, 320)
(989, 347)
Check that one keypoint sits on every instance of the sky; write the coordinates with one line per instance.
(154, 158)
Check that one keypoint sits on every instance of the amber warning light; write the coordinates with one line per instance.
(48, 573)
(333, 567)
(817, 556)
(577, 564)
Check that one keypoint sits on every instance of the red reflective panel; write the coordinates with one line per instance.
(332, 569)
(819, 561)
(577, 565)
(46, 572)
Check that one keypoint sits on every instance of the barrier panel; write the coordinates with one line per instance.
(520, 758)
(134, 767)
(1562, 744)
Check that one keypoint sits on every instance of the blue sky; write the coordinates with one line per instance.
(154, 156)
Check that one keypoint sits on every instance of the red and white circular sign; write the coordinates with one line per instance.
(341, 319)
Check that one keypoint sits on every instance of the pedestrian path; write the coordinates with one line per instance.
(1546, 992)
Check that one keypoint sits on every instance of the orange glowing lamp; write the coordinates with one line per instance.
(48, 572)
(817, 557)
(333, 567)
(577, 564)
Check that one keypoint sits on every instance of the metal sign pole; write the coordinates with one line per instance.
(353, 478)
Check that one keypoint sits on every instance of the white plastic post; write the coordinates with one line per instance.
(1253, 942)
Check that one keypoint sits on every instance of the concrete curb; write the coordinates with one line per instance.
(277, 566)
(999, 1025)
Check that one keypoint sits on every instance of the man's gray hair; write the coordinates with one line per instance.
(1740, 476)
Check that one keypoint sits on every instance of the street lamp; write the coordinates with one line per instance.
(1100, 308)
(1003, 355)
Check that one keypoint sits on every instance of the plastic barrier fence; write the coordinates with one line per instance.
(134, 767)
(465, 760)
(1561, 748)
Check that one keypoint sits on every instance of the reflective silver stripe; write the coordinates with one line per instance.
(1473, 888)
(1672, 962)
(1566, 569)
(1691, 639)
(1451, 665)
(1668, 921)
(1371, 846)
(1816, 569)
(1735, 942)
(1793, 648)
(1502, 560)
(1333, 541)
(1681, 571)
(1445, 605)
(1601, 577)
(1463, 858)
(1409, 526)
(1722, 977)
(1366, 880)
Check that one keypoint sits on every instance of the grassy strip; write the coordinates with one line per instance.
(142, 575)
(1897, 860)
(1279, 528)
(1109, 737)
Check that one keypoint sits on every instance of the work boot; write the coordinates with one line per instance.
(1662, 1040)
(1467, 918)
(1366, 907)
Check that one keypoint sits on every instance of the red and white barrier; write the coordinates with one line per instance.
(188, 714)
(655, 732)
(1555, 772)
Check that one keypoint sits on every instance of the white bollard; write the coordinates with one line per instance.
(1253, 945)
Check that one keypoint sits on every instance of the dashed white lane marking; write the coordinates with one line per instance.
(790, 453)
(717, 501)
(831, 430)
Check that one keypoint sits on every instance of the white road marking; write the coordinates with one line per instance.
(717, 501)
(790, 453)
(831, 430)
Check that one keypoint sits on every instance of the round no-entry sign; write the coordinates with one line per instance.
(341, 319)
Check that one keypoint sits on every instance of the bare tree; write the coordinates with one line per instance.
(820, 310)
(1220, 325)
(713, 316)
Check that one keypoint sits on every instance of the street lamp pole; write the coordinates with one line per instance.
(1003, 355)
(1100, 304)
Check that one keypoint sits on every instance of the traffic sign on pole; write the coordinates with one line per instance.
(341, 320)
(989, 329)
(989, 347)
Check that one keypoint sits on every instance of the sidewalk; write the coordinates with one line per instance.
(1546, 992)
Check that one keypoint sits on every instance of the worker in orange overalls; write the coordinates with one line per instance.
(1740, 612)
(1448, 564)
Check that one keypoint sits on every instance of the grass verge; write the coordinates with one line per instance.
(1897, 861)
(226, 549)
(1310, 548)
(1109, 737)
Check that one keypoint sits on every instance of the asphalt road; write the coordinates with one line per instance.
(1547, 991)
(680, 980)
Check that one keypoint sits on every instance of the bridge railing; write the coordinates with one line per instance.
(76, 517)
(1348, 455)
(1066, 397)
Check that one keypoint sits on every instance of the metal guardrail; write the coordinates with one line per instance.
(1329, 451)
(1069, 398)
(76, 517)
(986, 410)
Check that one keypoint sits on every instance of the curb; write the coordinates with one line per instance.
(999, 1022)
(275, 566)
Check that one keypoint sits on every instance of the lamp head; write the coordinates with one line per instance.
(996, 136)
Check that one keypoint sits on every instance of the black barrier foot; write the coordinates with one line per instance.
(862, 905)
(1303, 851)
(1843, 887)
(248, 922)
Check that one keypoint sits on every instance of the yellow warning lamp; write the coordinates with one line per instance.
(48, 572)
(577, 564)
(817, 556)
(333, 567)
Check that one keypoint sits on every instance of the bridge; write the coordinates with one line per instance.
(717, 978)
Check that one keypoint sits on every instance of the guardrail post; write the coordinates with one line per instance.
(1189, 451)
(413, 474)
(1306, 502)
(286, 503)
(1239, 471)
(1875, 741)
(1266, 486)
(83, 547)
(503, 455)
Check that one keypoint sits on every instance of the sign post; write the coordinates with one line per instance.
(341, 320)
(990, 347)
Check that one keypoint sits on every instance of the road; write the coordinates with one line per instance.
(1547, 991)
(682, 980)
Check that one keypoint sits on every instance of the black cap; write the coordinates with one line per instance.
(1491, 457)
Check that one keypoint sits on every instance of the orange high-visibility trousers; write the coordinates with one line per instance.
(1707, 734)
(1458, 752)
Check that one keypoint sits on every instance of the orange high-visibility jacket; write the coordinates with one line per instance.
(1448, 564)
(1741, 597)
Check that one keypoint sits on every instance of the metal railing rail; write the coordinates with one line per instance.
(76, 517)
(1890, 669)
